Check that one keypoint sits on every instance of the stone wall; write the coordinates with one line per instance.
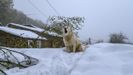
(9, 40)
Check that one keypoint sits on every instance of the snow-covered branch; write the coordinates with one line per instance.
(11, 58)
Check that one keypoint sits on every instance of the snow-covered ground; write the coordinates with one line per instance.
(98, 59)
(106, 59)
(52, 61)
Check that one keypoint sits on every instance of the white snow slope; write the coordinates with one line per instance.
(98, 59)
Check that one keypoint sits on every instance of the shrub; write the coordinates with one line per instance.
(117, 38)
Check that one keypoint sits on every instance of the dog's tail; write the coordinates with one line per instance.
(84, 47)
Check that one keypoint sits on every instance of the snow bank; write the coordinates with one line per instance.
(99, 59)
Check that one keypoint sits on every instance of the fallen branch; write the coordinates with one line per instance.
(9, 59)
(3, 72)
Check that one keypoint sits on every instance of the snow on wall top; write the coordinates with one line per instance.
(34, 28)
(54, 34)
(21, 33)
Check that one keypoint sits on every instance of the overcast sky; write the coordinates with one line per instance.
(102, 16)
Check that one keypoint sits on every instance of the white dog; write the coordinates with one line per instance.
(72, 43)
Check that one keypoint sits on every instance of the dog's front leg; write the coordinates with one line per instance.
(74, 48)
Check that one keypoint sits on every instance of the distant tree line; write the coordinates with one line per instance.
(9, 14)
(113, 38)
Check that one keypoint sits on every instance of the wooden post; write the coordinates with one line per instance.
(29, 43)
(39, 43)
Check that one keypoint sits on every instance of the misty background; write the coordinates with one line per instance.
(102, 17)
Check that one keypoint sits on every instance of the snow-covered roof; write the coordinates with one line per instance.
(21, 33)
(34, 28)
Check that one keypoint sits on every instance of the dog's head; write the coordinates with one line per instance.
(67, 30)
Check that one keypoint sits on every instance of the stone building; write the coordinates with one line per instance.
(28, 36)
